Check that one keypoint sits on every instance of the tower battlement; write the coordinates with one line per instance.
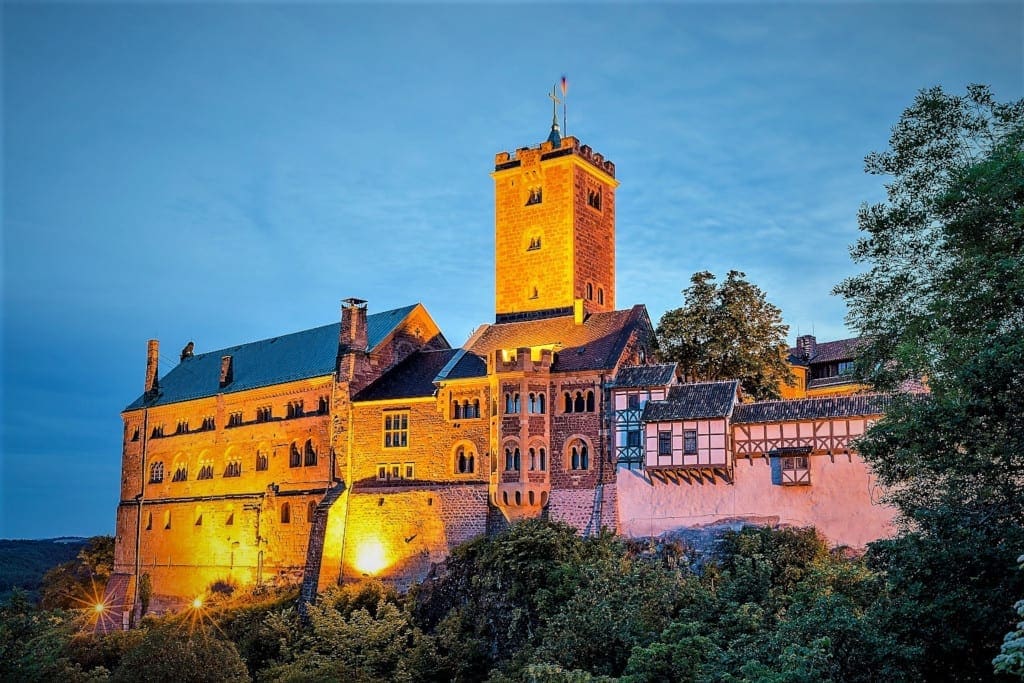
(546, 150)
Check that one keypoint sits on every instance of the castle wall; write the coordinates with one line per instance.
(842, 501)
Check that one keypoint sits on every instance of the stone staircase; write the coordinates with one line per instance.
(117, 597)
(315, 549)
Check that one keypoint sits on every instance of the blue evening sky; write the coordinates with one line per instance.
(230, 172)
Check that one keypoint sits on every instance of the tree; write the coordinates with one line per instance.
(943, 298)
(81, 581)
(727, 331)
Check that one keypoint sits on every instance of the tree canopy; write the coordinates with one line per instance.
(727, 331)
(942, 299)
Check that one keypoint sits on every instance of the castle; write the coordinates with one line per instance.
(370, 447)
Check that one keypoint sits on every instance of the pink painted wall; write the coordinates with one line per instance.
(842, 501)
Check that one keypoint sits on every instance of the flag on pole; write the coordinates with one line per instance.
(565, 85)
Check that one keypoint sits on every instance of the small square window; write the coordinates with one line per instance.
(633, 437)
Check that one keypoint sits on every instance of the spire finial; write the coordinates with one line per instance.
(555, 137)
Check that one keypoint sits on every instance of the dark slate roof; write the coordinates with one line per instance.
(827, 352)
(300, 355)
(596, 344)
(412, 378)
(696, 401)
(644, 375)
(811, 408)
(463, 365)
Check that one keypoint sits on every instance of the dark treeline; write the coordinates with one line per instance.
(539, 603)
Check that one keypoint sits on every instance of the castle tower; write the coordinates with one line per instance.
(554, 223)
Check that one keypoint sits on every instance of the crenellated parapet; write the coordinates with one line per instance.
(569, 145)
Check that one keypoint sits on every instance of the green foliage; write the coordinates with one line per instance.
(1010, 659)
(171, 654)
(727, 331)
(943, 299)
(145, 593)
(82, 580)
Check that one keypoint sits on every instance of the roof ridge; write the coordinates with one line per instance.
(308, 329)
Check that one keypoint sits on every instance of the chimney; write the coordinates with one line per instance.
(807, 345)
(152, 366)
(227, 371)
(353, 326)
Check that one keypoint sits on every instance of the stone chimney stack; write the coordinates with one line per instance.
(353, 325)
(152, 366)
(227, 371)
(807, 345)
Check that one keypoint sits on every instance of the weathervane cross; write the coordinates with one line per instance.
(555, 100)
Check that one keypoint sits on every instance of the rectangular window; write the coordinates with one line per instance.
(396, 430)
(410, 470)
(690, 442)
(396, 471)
(846, 367)
(633, 437)
(382, 472)
(664, 443)
(633, 401)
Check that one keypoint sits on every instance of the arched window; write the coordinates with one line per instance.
(294, 456)
(456, 410)
(533, 459)
(540, 403)
(543, 461)
(568, 402)
(464, 461)
(467, 409)
(476, 407)
(590, 401)
(180, 473)
(516, 464)
(579, 456)
(508, 404)
(515, 403)
(508, 459)
(579, 405)
(310, 511)
(286, 513)
(322, 407)
(600, 295)
(531, 403)
(261, 461)
(167, 519)
(149, 521)
(590, 291)
(310, 453)
(156, 473)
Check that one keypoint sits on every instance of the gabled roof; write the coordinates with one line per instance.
(827, 352)
(596, 344)
(290, 357)
(853, 405)
(700, 400)
(412, 378)
(644, 375)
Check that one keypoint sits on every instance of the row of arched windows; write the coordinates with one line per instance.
(580, 402)
(466, 410)
(590, 293)
(306, 457)
(577, 455)
(285, 513)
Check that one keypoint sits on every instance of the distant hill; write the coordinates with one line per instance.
(23, 563)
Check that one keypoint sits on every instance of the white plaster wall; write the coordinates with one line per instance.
(842, 501)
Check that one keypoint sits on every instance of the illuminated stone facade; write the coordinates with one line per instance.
(370, 447)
